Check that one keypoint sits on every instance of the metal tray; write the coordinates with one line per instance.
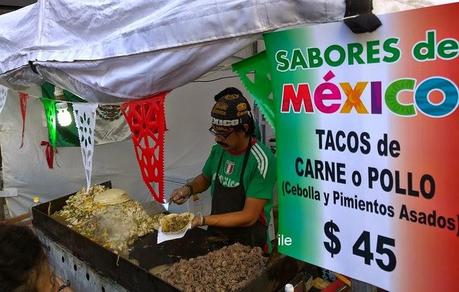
(147, 254)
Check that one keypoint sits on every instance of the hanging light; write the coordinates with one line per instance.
(64, 118)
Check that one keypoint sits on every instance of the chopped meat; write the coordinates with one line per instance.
(230, 268)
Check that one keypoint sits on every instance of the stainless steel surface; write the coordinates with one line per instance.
(153, 207)
(82, 278)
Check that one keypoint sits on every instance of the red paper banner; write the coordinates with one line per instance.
(23, 97)
(49, 153)
(146, 120)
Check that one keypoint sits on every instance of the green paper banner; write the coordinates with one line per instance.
(59, 136)
(50, 112)
(260, 88)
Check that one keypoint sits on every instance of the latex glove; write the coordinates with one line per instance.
(180, 195)
(198, 220)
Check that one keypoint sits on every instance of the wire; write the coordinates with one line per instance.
(212, 80)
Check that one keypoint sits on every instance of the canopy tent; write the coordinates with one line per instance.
(117, 50)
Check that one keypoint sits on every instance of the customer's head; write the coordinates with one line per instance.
(23, 262)
(231, 117)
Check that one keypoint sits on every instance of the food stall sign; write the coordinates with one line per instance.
(367, 129)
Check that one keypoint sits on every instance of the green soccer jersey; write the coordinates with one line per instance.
(259, 175)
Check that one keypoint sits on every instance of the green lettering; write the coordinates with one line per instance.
(372, 52)
(391, 97)
(448, 49)
(298, 60)
(355, 51)
(282, 61)
(315, 60)
(425, 50)
(390, 46)
(341, 55)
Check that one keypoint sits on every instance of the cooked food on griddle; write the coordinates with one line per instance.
(227, 269)
(111, 197)
(176, 222)
(157, 220)
(106, 217)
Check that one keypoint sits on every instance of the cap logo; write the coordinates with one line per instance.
(231, 96)
(219, 112)
(241, 107)
(221, 106)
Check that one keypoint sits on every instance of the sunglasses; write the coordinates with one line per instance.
(223, 134)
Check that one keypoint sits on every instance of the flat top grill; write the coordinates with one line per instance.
(148, 254)
(195, 243)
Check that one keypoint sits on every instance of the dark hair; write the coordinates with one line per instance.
(21, 253)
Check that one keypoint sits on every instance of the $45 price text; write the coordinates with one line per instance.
(386, 259)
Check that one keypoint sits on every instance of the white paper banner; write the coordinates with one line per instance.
(3, 93)
(85, 120)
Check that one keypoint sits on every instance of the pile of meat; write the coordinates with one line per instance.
(228, 269)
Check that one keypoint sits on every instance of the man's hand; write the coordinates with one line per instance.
(180, 195)
(198, 220)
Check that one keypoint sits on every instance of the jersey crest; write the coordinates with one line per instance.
(229, 167)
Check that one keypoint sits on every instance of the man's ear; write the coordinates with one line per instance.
(246, 128)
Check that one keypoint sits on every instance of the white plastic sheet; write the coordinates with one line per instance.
(113, 49)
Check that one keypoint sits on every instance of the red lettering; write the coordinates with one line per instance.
(291, 97)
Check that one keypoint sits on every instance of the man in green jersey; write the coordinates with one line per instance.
(240, 172)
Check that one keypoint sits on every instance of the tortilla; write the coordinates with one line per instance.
(111, 197)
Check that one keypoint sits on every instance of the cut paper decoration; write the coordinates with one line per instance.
(3, 93)
(49, 153)
(50, 112)
(261, 87)
(85, 119)
(23, 97)
(146, 120)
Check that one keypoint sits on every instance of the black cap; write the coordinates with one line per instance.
(231, 109)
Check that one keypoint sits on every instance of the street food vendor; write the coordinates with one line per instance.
(240, 171)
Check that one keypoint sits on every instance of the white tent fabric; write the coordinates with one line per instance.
(18, 33)
(25, 171)
(132, 49)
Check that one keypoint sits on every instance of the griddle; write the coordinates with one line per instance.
(133, 273)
